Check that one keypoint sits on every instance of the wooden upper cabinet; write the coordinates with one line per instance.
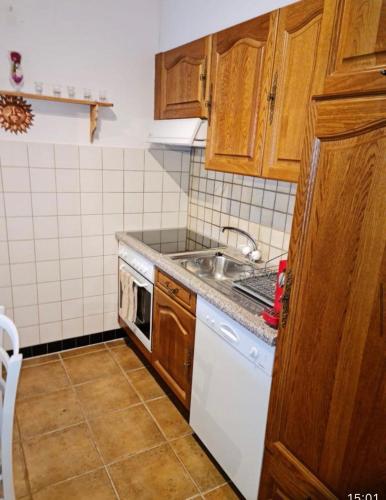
(242, 58)
(327, 414)
(295, 78)
(358, 54)
(181, 81)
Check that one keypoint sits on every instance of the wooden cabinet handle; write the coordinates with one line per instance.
(272, 99)
(170, 289)
(286, 298)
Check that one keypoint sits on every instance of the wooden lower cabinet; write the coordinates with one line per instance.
(326, 427)
(173, 344)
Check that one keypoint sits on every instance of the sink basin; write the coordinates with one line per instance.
(218, 267)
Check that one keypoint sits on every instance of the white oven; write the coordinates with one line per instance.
(141, 273)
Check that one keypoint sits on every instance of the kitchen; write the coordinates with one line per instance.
(185, 254)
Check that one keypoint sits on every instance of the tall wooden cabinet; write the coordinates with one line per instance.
(173, 335)
(327, 418)
(182, 80)
(242, 58)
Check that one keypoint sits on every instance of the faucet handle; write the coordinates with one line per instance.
(255, 255)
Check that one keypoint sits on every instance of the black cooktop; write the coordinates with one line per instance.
(174, 240)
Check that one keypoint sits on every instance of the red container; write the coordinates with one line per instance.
(271, 316)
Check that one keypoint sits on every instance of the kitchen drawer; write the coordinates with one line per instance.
(182, 295)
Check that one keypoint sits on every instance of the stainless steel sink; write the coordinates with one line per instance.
(214, 266)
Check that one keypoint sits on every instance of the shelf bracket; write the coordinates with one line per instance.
(94, 109)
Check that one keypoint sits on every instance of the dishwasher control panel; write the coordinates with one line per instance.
(251, 347)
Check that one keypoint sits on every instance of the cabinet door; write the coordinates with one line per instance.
(242, 58)
(358, 53)
(327, 411)
(295, 80)
(181, 81)
(173, 342)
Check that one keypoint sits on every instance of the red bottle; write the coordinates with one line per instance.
(271, 316)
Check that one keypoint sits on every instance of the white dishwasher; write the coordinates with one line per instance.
(232, 374)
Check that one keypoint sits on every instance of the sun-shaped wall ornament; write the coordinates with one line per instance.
(15, 114)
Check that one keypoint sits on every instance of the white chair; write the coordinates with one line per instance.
(10, 369)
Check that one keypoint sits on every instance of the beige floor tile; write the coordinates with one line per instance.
(19, 472)
(169, 418)
(223, 493)
(106, 394)
(16, 432)
(83, 350)
(154, 474)
(113, 344)
(202, 469)
(126, 358)
(95, 485)
(60, 455)
(42, 379)
(90, 366)
(40, 360)
(145, 384)
(125, 432)
(48, 412)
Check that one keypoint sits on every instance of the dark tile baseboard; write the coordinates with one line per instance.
(62, 345)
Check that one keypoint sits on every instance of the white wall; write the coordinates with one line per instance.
(87, 43)
(185, 20)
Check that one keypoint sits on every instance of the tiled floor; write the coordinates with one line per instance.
(92, 423)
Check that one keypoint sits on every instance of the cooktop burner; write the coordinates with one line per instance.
(174, 240)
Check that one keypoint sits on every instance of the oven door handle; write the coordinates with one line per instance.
(140, 285)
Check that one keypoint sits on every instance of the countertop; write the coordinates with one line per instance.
(253, 322)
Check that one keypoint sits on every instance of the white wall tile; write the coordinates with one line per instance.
(93, 306)
(49, 292)
(92, 225)
(29, 335)
(91, 203)
(134, 159)
(72, 309)
(26, 316)
(92, 266)
(93, 324)
(41, 155)
(70, 269)
(92, 246)
(45, 227)
(112, 223)
(110, 321)
(5, 275)
(21, 251)
(44, 204)
(15, 180)
(72, 328)
(13, 154)
(68, 203)
(113, 181)
(151, 221)
(110, 303)
(49, 313)
(110, 244)
(91, 181)
(24, 295)
(113, 203)
(20, 228)
(110, 284)
(50, 332)
(171, 182)
(22, 274)
(171, 202)
(71, 289)
(133, 202)
(152, 202)
(133, 182)
(67, 181)
(133, 222)
(90, 157)
(154, 159)
(169, 220)
(110, 264)
(66, 156)
(70, 248)
(173, 161)
(3, 229)
(47, 249)
(112, 158)
(43, 180)
(4, 255)
(93, 286)
(153, 182)
(17, 204)
(47, 271)
(69, 226)
(6, 296)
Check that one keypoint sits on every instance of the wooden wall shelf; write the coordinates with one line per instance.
(94, 105)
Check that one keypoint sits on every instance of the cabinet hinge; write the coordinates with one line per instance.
(202, 76)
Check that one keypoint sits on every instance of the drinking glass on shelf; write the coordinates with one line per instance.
(39, 87)
(103, 95)
(57, 90)
(71, 91)
(87, 94)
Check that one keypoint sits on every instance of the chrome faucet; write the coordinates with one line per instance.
(244, 233)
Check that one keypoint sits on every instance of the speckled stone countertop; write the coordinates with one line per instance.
(253, 322)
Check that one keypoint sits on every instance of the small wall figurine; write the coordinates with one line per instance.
(16, 71)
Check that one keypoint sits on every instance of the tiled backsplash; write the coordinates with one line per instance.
(264, 208)
(60, 206)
